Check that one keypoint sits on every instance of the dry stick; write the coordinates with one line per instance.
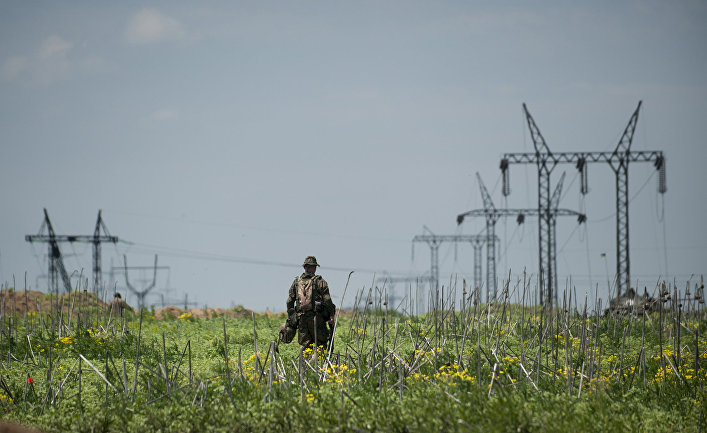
(584, 329)
(225, 352)
(478, 349)
(137, 355)
(635, 368)
(301, 379)
(125, 376)
(80, 374)
(196, 394)
(265, 363)
(60, 319)
(597, 327)
(106, 376)
(621, 359)
(255, 344)
(29, 344)
(271, 350)
(315, 350)
(568, 347)
(81, 357)
(676, 324)
(697, 353)
(678, 331)
(528, 376)
(522, 326)
(493, 378)
(179, 364)
(581, 377)
(642, 364)
(26, 300)
(49, 371)
(673, 368)
(465, 325)
(240, 365)
(164, 353)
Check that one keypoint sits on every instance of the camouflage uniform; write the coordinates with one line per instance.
(309, 298)
(118, 306)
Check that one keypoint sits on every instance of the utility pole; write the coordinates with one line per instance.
(548, 260)
(56, 263)
(618, 160)
(140, 293)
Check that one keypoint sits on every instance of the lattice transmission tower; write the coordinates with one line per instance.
(618, 160)
(56, 263)
(549, 256)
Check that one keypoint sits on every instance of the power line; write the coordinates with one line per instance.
(200, 255)
(258, 228)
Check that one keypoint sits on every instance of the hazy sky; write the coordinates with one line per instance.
(235, 138)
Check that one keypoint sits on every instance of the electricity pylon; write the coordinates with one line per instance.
(548, 258)
(434, 241)
(618, 160)
(56, 263)
(140, 293)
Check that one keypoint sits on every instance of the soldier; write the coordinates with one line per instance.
(118, 305)
(309, 299)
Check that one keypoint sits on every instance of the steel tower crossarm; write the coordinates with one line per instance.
(574, 157)
(505, 213)
(70, 238)
(434, 241)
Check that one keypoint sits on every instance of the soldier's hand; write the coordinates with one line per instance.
(331, 322)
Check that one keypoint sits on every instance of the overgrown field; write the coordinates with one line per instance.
(463, 366)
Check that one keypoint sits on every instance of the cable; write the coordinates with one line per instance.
(184, 253)
(582, 207)
(498, 180)
(568, 187)
(508, 243)
(568, 239)
(660, 210)
(248, 227)
(629, 202)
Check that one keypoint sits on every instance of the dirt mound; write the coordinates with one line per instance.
(167, 312)
(202, 313)
(32, 301)
(11, 427)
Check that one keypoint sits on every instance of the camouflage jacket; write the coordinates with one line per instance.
(310, 292)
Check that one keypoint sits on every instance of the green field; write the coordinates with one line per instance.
(463, 366)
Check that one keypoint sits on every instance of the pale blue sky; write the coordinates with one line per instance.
(214, 132)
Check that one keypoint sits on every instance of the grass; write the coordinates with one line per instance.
(463, 366)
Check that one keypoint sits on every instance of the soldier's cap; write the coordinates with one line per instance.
(310, 261)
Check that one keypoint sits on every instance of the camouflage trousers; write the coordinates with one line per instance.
(305, 328)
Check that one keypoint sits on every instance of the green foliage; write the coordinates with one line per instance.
(453, 377)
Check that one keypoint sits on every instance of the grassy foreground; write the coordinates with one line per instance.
(461, 367)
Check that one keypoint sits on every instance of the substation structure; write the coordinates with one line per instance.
(493, 214)
(618, 160)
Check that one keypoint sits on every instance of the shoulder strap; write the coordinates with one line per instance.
(296, 283)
